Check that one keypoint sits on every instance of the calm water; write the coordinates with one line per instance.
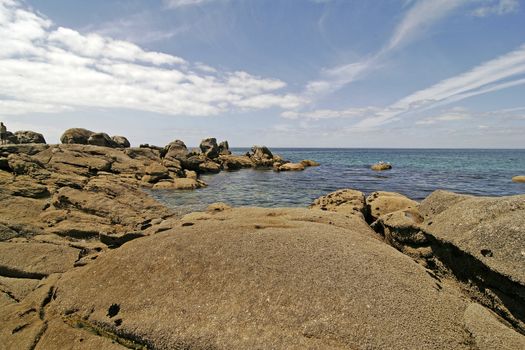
(415, 173)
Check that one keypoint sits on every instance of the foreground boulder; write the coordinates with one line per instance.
(29, 137)
(76, 136)
(267, 278)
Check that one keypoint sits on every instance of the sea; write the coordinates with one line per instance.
(415, 173)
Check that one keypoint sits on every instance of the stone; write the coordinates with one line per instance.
(101, 139)
(179, 184)
(35, 260)
(156, 172)
(224, 148)
(29, 137)
(381, 166)
(520, 178)
(381, 203)
(176, 149)
(346, 201)
(264, 278)
(291, 167)
(232, 162)
(307, 163)
(120, 141)
(76, 136)
(209, 148)
(217, 207)
(209, 167)
(193, 162)
(190, 174)
(11, 138)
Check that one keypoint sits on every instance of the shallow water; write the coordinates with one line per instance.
(416, 173)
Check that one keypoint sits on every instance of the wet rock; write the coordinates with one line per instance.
(76, 136)
(291, 167)
(29, 137)
(520, 178)
(381, 166)
(307, 163)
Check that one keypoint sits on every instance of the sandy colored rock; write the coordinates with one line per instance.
(76, 136)
(17, 288)
(381, 166)
(291, 167)
(265, 278)
(308, 163)
(381, 203)
(35, 260)
(209, 167)
(121, 141)
(520, 178)
(347, 201)
(209, 147)
(217, 207)
(233, 162)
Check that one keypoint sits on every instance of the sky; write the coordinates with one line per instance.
(283, 73)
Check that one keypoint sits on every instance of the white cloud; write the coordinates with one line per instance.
(453, 115)
(48, 69)
(331, 114)
(185, 3)
(498, 7)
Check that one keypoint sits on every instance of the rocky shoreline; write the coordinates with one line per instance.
(88, 260)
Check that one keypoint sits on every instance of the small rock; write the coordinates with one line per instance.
(291, 167)
(308, 162)
(381, 166)
(121, 142)
(520, 178)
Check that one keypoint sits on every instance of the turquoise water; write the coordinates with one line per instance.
(415, 173)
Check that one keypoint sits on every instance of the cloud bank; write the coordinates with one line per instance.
(47, 69)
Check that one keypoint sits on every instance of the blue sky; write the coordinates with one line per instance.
(291, 73)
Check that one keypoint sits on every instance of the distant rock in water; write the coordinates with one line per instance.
(381, 166)
(290, 167)
(76, 136)
(520, 178)
(308, 162)
(27, 136)
(121, 141)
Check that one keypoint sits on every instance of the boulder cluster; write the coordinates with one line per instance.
(81, 136)
(24, 137)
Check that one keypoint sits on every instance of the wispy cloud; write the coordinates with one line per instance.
(50, 69)
(497, 7)
(186, 3)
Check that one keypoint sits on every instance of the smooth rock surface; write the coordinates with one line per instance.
(381, 203)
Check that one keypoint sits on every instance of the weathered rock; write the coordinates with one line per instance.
(190, 174)
(381, 203)
(266, 279)
(192, 162)
(120, 141)
(261, 156)
(76, 135)
(209, 167)
(381, 166)
(291, 167)
(11, 138)
(224, 148)
(176, 149)
(29, 137)
(27, 149)
(143, 154)
(520, 178)
(35, 260)
(179, 184)
(217, 207)
(308, 163)
(156, 172)
(231, 162)
(347, 201)
(209, 148)
(101, 139)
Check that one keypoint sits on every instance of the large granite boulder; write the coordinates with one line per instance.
(269, 278)
(101, 139)
(29, 137)
(209, 147)
(176, 150)
(232, 162)
(120, 142)
(76, 136)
